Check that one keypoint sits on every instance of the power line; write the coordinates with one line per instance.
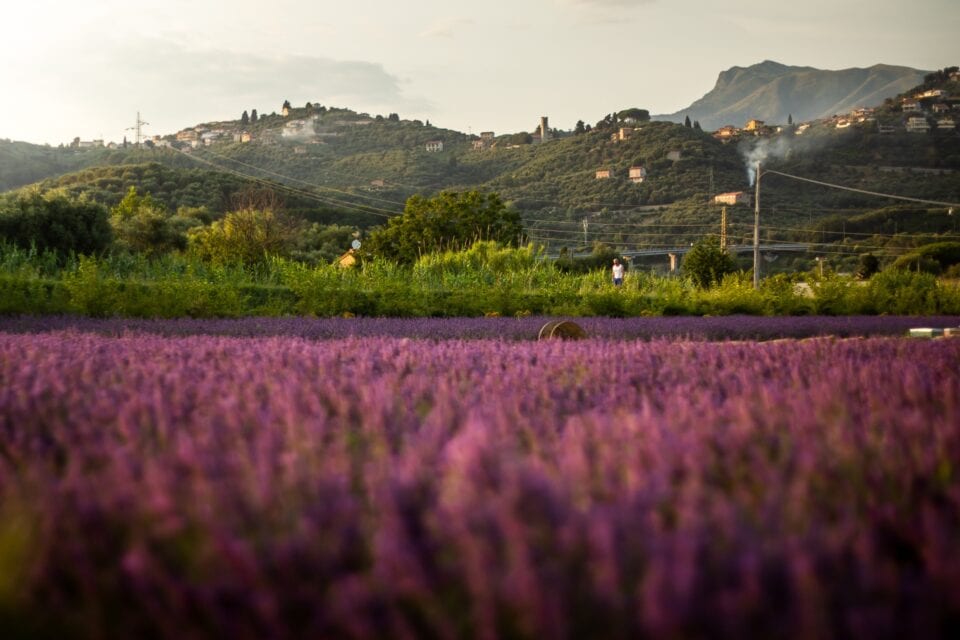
(368, 209)
(863, 191)
(311, 185)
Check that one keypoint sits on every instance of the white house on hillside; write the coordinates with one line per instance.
(918, 124)
(733, 198)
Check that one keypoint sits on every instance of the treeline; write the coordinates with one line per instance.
(60, 226)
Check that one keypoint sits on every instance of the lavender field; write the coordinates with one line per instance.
(156, 484)
(733, 327)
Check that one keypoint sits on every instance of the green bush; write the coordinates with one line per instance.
(831, 295)
(30, 295)
(707, 263)
(931, 258)
(781, 298)
(52, 222)
(905, 292)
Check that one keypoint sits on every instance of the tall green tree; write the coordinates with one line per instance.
(867, 266)
(706, 263)
(449, 220)
(245, 118)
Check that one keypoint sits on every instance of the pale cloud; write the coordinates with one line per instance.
(445, 27)
(69, 72)
(171, 83)
(607, 3)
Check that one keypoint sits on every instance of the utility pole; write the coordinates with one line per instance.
(137, 129)
(756, 233)
(723, 228)
(585, 224)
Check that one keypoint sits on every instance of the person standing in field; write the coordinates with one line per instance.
(617, 272)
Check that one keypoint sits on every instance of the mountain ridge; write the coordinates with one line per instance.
(773, 92)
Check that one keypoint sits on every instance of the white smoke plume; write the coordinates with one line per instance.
(761, 149)
(781, 147)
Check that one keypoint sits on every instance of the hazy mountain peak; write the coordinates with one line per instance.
(772, 91)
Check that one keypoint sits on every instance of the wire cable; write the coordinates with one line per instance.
(863, 191)
(329, 201)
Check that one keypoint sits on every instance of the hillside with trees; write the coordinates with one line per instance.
(574, 192)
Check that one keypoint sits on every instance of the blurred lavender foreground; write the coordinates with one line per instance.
(374, 486)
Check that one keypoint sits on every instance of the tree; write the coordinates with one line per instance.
(450, 220)
(520, 138)
(634, 114)
(706, 263)
(248, 236)
(579, 128)
(53, 221)
(393, 117)
(790, 119)
(253, 116)
(609, 120)
(696, 125)
(286, 104)
(245, 118)
(687, 123)
(142, 225)
(868, 265)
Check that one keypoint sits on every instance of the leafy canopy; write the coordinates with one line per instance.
(706, 263)
(249, 236)
(142, 225)
(449, 220)
(54, 222)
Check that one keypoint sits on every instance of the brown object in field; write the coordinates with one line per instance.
(563, 329)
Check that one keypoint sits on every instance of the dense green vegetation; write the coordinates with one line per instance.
(52, 222)
(484, 280)
(450, 220)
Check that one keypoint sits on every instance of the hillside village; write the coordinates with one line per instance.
(929, 110)
(933, 109)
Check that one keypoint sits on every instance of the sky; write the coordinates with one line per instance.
(87, 68)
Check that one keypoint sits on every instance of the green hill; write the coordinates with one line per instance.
(218, 192)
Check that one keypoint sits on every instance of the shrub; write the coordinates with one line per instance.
(249, 236)
(904, 292)
(706, 263)
(53, 222)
